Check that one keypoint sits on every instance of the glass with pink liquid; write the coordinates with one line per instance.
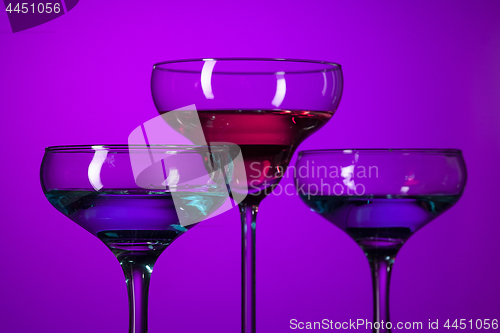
(265, 106)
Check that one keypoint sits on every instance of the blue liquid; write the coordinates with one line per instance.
(137, 220)
(379, 223)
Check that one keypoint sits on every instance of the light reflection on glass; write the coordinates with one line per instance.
(206, 78)
(94, 171)
(280, 89)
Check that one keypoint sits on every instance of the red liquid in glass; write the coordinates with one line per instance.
(267, 139)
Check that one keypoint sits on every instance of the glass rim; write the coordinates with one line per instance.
(118, 147)
(384, 151)
(329, 66)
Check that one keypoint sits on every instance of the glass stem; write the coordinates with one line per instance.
(138, 269)
(381, 266)
(248, 218)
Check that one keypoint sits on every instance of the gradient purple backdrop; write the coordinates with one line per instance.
(425, 74)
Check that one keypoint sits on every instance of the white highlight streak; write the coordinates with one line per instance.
(172, 179)
(323, 92)
(95, 166)
(348, 173)
(280, 89)
(333, 84)
(206, 78)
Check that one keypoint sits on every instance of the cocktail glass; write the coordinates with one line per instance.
(137, 200)
(265, 106)
(380, 197)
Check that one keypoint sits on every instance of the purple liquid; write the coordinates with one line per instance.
(379, 224)
(267, 139)
(135, 220)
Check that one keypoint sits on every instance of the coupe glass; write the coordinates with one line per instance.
(265, 106)
(380, 197)
(137, 200)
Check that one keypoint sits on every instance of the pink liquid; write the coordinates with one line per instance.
(267, 139)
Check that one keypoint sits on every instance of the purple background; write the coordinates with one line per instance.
(425, 74)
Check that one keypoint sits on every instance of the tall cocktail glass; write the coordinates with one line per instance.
(265, 106)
